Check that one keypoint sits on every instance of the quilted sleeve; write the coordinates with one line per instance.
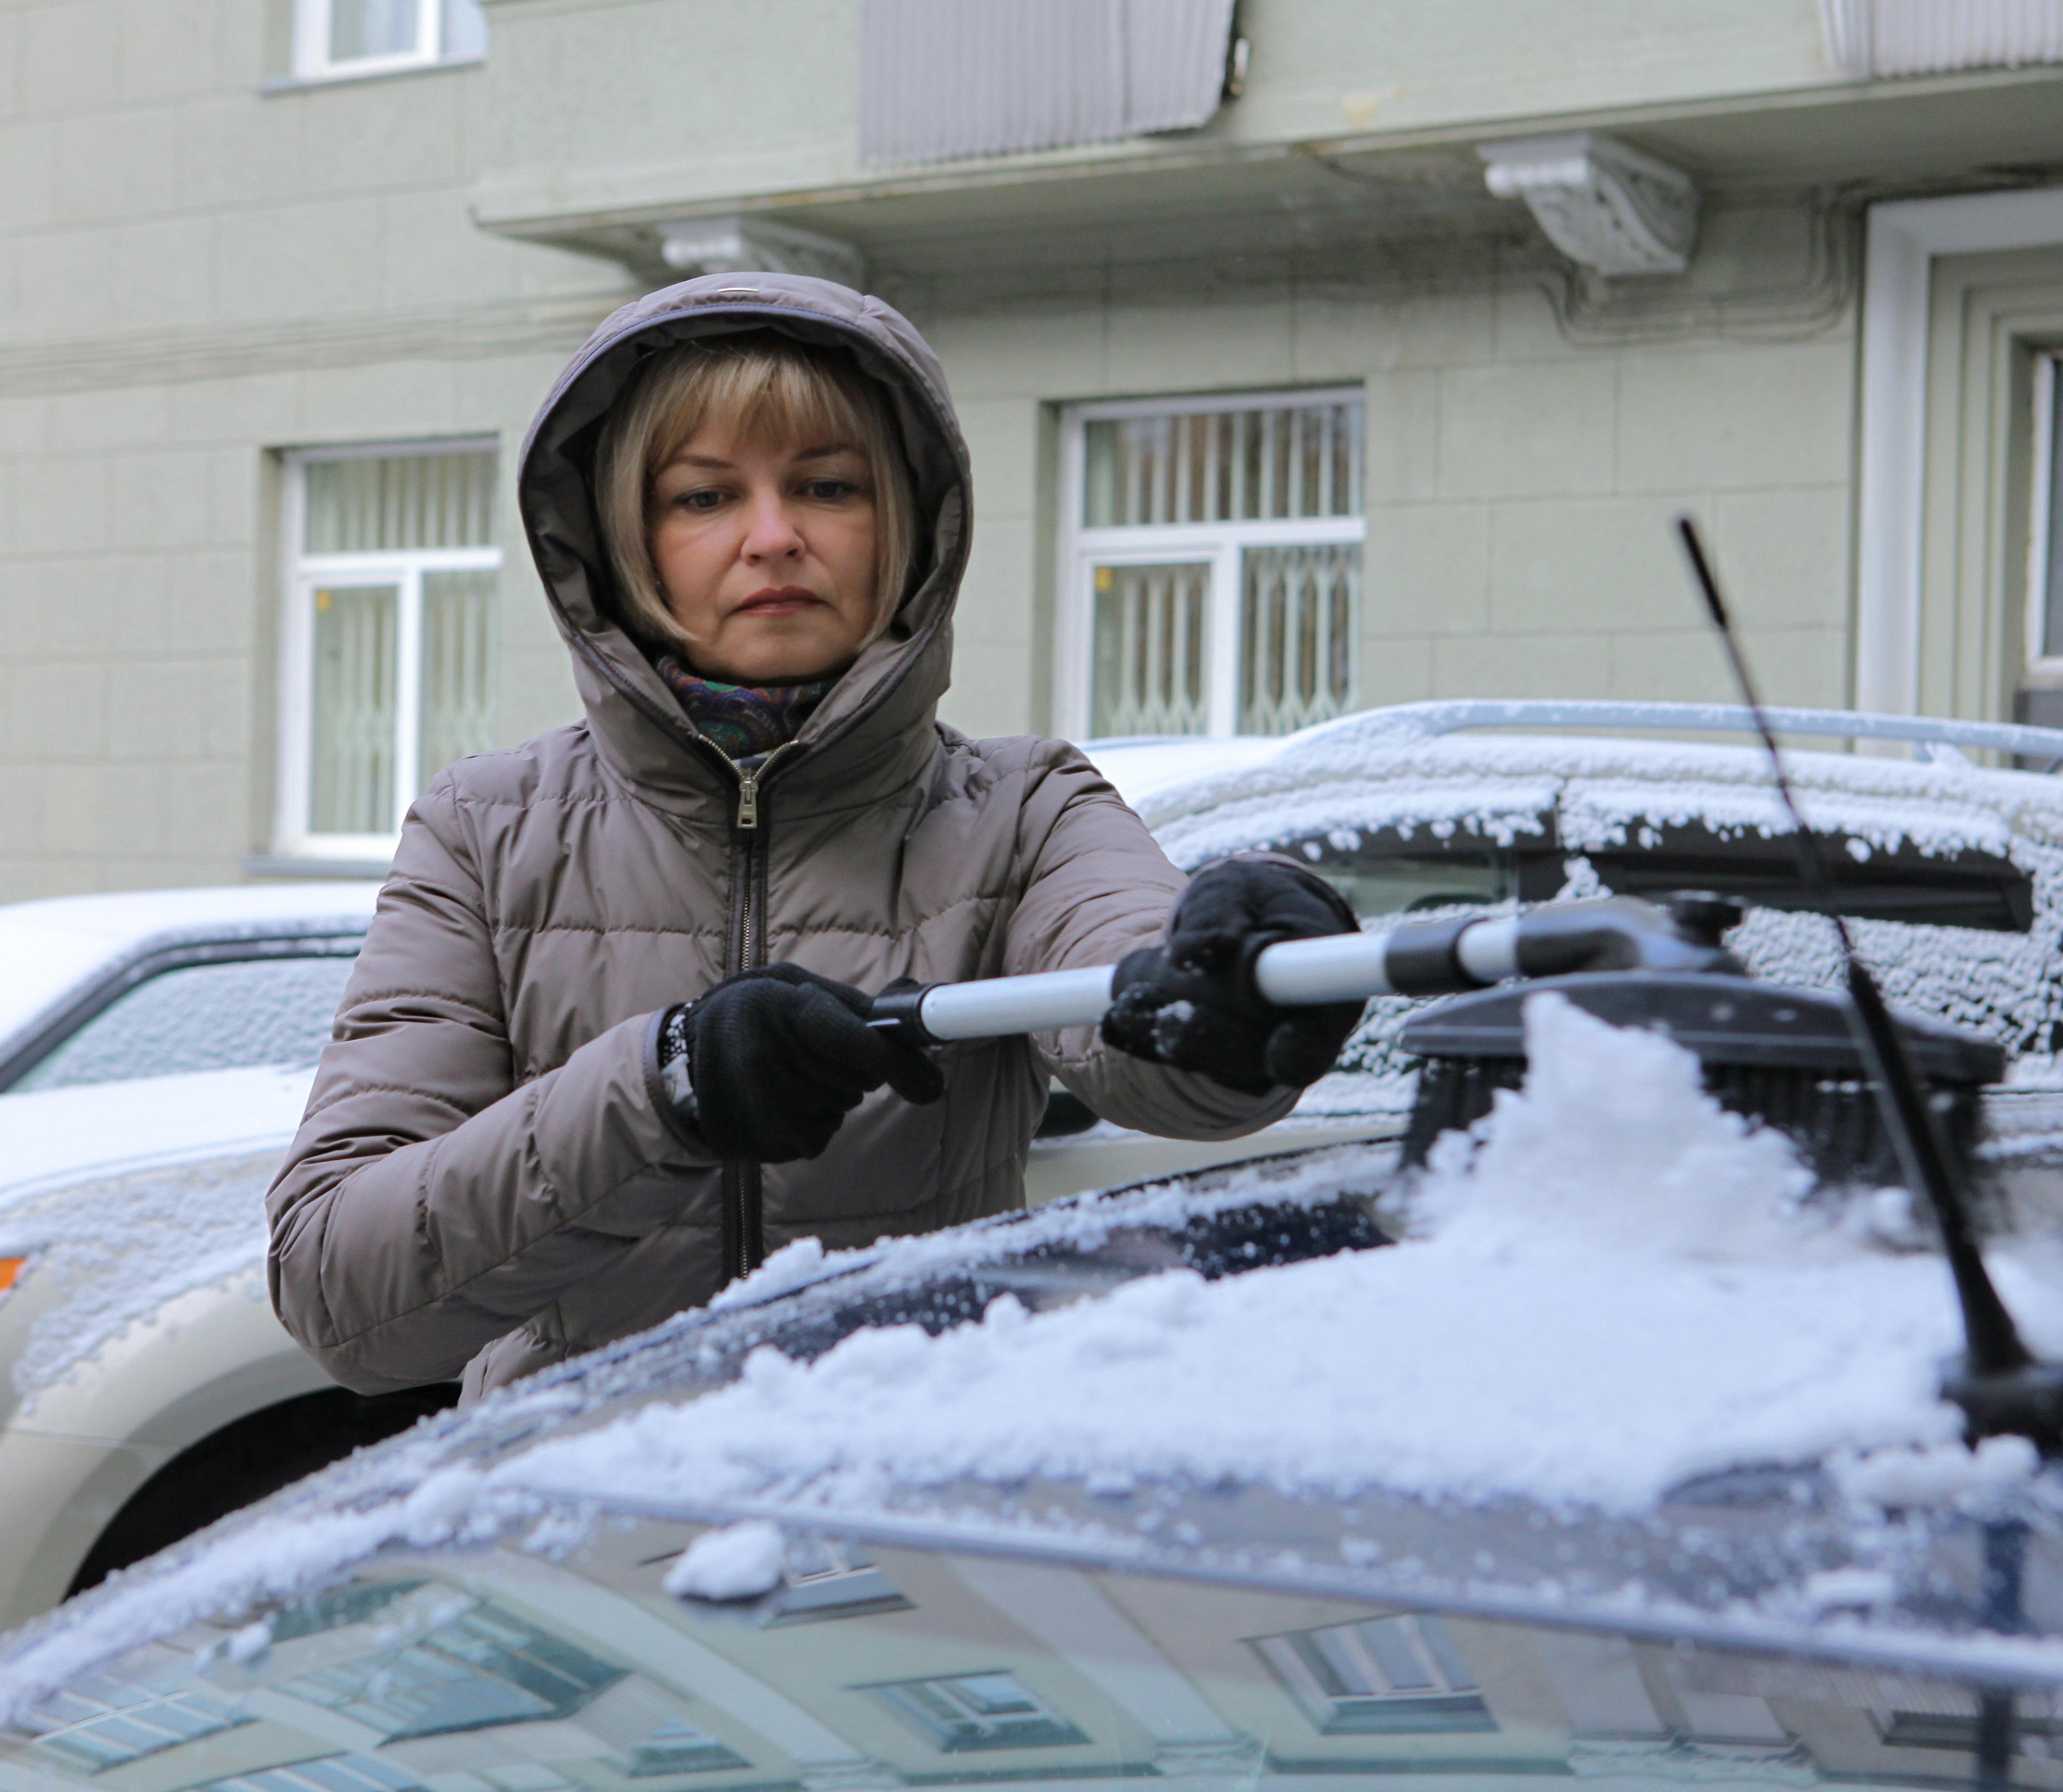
(1097, 886)
(428, 1205)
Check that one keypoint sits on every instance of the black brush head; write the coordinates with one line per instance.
(1784, 1057)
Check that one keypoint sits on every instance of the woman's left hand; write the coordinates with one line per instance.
(1192, 1003)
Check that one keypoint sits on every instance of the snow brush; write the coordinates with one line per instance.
(1425, 958)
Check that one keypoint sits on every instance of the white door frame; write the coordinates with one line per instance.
(1904, 236)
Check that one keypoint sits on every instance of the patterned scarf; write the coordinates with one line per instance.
(744, 720)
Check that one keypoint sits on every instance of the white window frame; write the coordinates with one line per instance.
(313, 62)
(1082, 549)
(1423, 1636)
(1904, 237)
(304, 573)
(2041, 516)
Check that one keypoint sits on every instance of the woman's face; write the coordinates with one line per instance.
(764, 551)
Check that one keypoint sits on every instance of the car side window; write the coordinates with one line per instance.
(1382, 875)
(205, 1017)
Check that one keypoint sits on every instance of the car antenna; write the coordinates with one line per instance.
(2002, 1389)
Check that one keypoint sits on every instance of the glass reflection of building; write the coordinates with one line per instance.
(924, 1671)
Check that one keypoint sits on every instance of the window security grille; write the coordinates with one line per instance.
(481, 1668)
(965, 1713)
(1214, 580)
(391, 638)
(336, 38)
(1247, 465)
(1386, 1676)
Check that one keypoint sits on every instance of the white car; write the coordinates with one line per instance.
(155, 1049)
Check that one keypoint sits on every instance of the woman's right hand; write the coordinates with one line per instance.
(775, 1059)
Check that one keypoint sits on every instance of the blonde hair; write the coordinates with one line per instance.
(767, 386)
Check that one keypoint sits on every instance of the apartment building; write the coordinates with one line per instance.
(1314, 353)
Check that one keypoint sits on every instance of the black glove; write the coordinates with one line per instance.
(776, 1057)
(1192, 1003)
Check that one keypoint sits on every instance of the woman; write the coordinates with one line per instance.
(604, 1047)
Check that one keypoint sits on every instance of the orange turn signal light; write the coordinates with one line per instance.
(10, 1267)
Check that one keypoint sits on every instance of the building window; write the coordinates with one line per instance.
(966, 1712)
(1213, 568)
(336, 39)
(1383, 1677)
(328, 1773)
(480, 1668)
(678, 1746)
(389, 671)
(116, 1715)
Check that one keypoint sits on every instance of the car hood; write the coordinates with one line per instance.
(1291, 1374)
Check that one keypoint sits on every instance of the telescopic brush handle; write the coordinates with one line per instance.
(1426, 957)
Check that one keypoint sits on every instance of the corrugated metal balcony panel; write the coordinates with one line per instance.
(1175, 62)
(1936, 36)
(941, 79)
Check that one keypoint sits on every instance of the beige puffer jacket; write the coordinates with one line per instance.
(487, 1175)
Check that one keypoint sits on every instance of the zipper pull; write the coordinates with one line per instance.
(748, 800)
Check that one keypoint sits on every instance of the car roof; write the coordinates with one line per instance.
(53, 947)
(1512, 754)
(1355, 772)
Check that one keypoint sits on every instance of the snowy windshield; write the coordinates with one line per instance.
(820, 1662)
(208, 1017)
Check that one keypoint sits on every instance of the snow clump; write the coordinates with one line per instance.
(1613, 1144)
(738, 1561)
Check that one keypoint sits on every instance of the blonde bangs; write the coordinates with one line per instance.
(769, 388)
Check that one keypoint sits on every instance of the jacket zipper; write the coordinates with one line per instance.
(744, 1212)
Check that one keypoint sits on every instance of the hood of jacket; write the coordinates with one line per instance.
(881, 713)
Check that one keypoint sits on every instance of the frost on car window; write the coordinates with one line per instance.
(120, 1248)
(209, 1017)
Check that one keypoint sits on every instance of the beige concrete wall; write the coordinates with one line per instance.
(1521, 483)
(654, 114)
(195, 275)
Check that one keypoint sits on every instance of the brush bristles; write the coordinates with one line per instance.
(1833, 1121)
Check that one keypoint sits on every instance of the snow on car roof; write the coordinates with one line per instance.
(52, 945)
(1141, 764)
(1612, 1287)
(1345, 773)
